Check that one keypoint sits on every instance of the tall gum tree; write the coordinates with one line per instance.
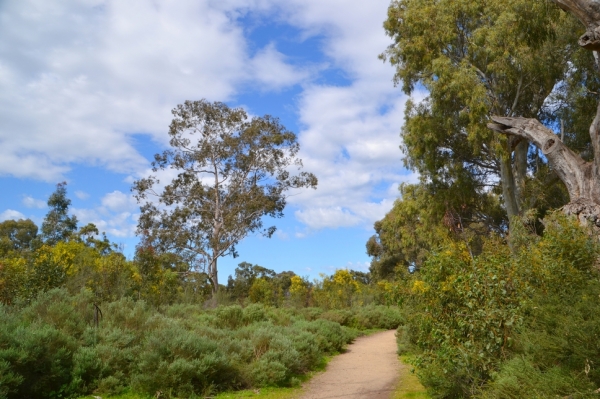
(476, 59)
(580, 176)
(231, 170)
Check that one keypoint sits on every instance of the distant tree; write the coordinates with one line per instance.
(422, 219)
(17, 235)
(89, 233)
(251, 279)
(231, 171)
(361, 277)
(58, 225)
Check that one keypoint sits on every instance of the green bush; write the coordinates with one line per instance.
(488, 325)
(366, 318)
(230, 317)
(386, 317)
(181, 363)
(344, 317)
(40, 360)
(519, 377)
(331, 337)
(55, 347)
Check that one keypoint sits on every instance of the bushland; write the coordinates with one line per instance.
(520, 322)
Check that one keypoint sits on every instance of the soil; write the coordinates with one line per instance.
(369, 369)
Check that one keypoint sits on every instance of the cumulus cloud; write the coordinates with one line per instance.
(350, 135)
(119, 202)
(353, 148)
(82, 195)
(271, 70)
(31, 202)
(80, 79)
(116, 215)
(11, 214)
(319, 218)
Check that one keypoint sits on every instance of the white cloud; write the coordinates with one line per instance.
(119, 202)
(31, 202)
(271, 70)
(117, 215)
(10, 214)
(350, 135)
(332, 217)
(80, 78)
(82, 195)
(282, 235)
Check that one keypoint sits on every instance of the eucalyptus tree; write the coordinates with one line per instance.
(58, 225)
(476, 59)
(18, 235)
(579, 172)
(230, 171)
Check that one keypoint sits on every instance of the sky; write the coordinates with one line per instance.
(87, 88)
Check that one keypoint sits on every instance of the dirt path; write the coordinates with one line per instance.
(369, 369)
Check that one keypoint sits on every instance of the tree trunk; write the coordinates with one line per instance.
(580, 177)
(509, 191)
(520, 170)
(214, 277)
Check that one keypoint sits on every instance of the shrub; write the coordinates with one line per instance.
(506, 320)
(181, 363)
(378, 317)
(40, 359)
(519, 377)
(231, 317)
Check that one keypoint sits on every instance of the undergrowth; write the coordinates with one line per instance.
(58, 346)
(509, 324)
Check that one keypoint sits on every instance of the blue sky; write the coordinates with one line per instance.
(86, 89)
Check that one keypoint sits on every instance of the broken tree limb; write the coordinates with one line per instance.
(588, 12)
(579, 176)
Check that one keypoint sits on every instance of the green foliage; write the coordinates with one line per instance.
(182, 363)
(79, 318)
(37, 346)
(489, 324)
(340, 290)
(58, 225)
(519, 375)
(232, 171)
(258, 284)
(366, 318)
(57, 346)
(17, 235)
(478, 59)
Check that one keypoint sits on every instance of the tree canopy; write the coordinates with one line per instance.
(231, 170)
(478, 59)
(58, 225)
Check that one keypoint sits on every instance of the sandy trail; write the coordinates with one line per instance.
(369, 369)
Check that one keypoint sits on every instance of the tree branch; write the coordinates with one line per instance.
(569, 166)
(588, 12)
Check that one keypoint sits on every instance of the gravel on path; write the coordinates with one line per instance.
(369, 369)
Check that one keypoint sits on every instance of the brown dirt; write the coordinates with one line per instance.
(369, 369)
